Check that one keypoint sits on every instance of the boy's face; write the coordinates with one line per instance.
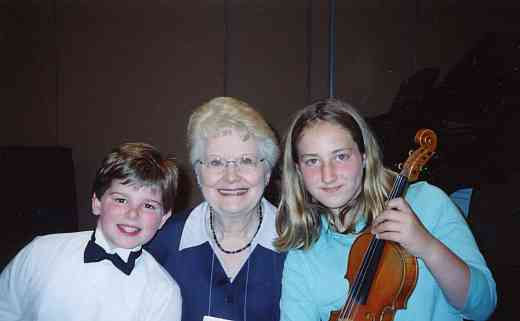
(129, 215)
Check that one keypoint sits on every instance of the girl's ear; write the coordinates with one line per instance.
(298, 169)
(96, 205)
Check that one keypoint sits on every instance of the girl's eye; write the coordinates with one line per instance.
(311, 162)
(342, 157)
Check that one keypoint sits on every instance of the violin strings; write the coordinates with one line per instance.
(399, 183)
(359, 280)
(347, 309)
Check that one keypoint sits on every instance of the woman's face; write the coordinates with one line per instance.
(331, 164)
(237, 185)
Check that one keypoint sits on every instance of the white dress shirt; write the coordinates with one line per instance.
(48, 281)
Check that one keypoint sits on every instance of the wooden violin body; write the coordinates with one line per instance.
(393, 282)
(381, 274)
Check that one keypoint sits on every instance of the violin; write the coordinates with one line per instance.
(381, 273)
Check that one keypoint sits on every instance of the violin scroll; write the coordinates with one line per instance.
(427, 140)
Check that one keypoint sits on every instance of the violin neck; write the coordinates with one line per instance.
(370, 262)
(400, 184)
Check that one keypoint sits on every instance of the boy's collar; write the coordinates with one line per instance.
(103, 242)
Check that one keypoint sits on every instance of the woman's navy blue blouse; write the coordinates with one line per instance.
(253, 295)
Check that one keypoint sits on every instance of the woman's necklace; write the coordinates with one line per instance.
(245, 246)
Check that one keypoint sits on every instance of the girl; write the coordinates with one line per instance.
(334, 186)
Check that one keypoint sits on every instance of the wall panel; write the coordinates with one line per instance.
(133, 73)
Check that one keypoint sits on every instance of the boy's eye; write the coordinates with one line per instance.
(120, 200)
(150, 206)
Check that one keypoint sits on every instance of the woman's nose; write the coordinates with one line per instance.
(231, 173)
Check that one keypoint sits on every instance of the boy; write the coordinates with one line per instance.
(70, 276)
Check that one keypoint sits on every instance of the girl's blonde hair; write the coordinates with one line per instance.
(299, 219)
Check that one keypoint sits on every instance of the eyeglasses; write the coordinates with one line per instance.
(244, 164)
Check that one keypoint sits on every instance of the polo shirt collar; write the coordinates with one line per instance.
(327, 229)
(196, 229)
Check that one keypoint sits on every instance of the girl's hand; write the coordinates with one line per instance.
(400, 224)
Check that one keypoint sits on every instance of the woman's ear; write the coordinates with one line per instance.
(197, 177)
(267, 178)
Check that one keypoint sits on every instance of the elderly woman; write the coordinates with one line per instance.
(221, 252)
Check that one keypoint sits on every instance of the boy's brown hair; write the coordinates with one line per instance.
(142, 164)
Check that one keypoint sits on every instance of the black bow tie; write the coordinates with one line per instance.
(95, 253)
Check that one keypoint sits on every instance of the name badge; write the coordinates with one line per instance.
(209, 318)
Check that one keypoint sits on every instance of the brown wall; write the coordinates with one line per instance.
(92, 74)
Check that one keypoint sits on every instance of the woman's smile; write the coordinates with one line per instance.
(233, 191)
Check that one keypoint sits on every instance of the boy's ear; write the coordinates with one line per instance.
(96, 205)
(164, 218)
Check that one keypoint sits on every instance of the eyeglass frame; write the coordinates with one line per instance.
(226, 162)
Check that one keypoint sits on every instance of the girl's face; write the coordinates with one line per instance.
(331, 164)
